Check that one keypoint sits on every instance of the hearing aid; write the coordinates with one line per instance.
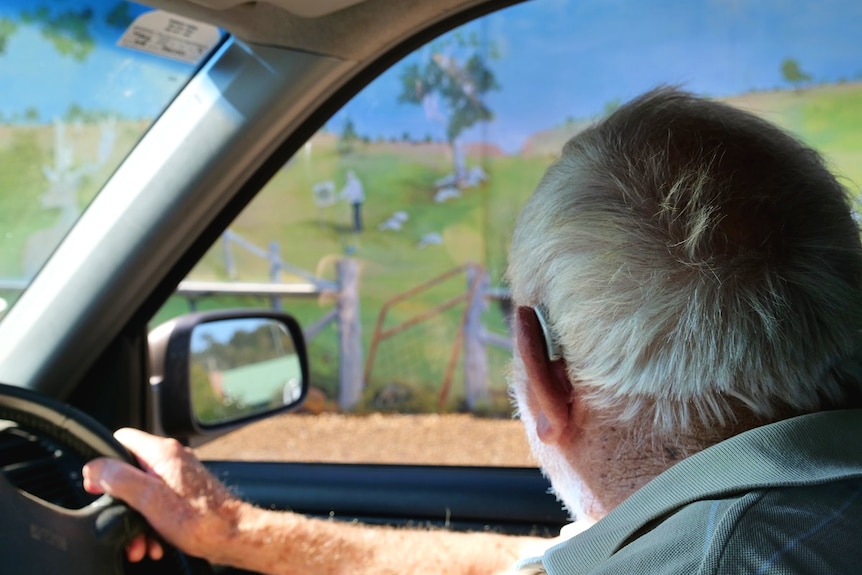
(551, 346)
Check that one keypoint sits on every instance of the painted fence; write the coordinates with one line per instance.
(353, 371)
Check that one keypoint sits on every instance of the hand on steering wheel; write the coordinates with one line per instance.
(179, 498)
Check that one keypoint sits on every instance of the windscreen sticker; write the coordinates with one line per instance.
(171, 36)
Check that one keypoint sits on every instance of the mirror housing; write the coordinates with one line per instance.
(215, 370)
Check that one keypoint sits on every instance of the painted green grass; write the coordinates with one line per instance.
(475, 228)
(832, 124)
(20, 211)
(26, 152)
(828, 118)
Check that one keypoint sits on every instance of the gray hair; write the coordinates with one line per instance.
(691, 257)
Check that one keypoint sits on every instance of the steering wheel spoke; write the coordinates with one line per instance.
(49, 525)
(88, 540)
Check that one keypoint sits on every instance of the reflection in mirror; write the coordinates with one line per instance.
(242, 367)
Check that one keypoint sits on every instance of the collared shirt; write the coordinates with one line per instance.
(782, 498)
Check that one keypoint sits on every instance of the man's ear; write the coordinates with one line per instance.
(548, 384)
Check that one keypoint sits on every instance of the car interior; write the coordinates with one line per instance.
(220, 214)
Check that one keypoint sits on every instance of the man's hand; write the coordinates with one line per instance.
(179, 498)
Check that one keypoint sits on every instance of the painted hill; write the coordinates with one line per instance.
(547, 143)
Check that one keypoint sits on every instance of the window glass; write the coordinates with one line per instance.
(397, 214)
(82, 81)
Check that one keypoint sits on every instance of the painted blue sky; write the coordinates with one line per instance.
(569, 58)
(557, 59)
(35, 74)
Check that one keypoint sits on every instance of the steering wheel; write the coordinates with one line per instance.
(49, 523)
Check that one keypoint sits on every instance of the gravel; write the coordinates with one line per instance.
(449, 439)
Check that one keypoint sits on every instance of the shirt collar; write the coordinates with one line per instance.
(806, 450)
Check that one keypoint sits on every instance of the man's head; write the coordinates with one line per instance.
(693, 261)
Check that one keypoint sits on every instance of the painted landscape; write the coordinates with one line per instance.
(473, 226)
(445, 148)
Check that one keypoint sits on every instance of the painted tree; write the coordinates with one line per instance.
(67, 29)
(65, 178)
(792, 73)
(7, 30)
(449, 85)
(348, 137)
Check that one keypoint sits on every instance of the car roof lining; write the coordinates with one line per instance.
(339, 33)
(304, 8)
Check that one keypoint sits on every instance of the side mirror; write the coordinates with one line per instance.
(215, 370)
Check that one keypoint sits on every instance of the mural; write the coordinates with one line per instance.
(437, 154)
(425, 170)
(419, 178)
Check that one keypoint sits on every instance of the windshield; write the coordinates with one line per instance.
(82, 81)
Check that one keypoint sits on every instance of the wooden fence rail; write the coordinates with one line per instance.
(473, 337)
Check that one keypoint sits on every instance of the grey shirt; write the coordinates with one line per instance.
(782, 498)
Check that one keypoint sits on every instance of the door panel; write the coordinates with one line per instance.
(503, 499)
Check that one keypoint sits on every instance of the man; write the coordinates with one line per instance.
(687, 282)
(354, 193)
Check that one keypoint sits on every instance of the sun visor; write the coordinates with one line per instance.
(303, 8)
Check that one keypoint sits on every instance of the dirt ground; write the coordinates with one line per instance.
(451, 439)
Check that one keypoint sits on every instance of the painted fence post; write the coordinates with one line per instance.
(475, 358)
(349, 334)
(274, 271)
(227, 252)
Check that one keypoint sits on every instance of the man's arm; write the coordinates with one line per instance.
(195, 512)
